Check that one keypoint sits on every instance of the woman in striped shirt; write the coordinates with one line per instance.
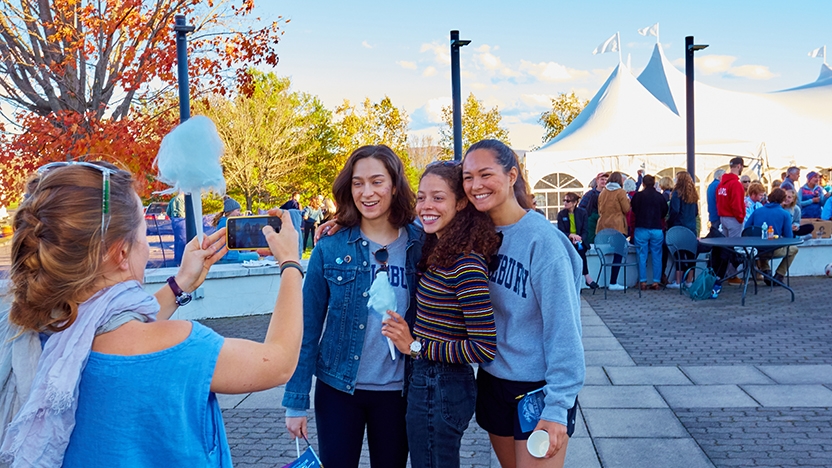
(454, 321)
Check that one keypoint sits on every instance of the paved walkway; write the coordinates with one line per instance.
(670, 383)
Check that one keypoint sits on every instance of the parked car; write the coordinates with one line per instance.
(157, 220)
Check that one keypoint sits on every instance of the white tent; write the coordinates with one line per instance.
(640, 123)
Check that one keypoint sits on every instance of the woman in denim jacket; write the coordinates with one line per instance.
(358, 383)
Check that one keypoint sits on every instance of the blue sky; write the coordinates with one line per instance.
(522, 52)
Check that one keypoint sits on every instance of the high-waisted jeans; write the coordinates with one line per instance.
(649, 240)
(441, 399)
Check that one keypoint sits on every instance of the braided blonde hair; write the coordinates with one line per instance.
(57, 249)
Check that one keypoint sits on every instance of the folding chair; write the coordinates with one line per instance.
(611, 242)
(681, 239)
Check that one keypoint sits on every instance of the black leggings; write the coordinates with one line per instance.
(341, 421)
(614, 270)
(804, 229)
(582, 253)
(308, 231)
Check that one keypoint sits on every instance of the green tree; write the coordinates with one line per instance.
(316, 175)
(267, 132)
(565, 107)
(478, 123)
(370, 123)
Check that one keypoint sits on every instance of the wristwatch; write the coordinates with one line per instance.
(182, 298)
(415, 349)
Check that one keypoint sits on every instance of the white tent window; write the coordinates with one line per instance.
(671, 172)
(549, 192)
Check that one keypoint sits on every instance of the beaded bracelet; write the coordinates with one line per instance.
(291, 264)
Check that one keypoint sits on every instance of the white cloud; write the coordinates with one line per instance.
(429, 71)
(406, 64)
(753, 72)
(551, 71)
(710, 64)
(366, 45)
(479, 86)
(489, 61)
(440, 52)
(536, 100)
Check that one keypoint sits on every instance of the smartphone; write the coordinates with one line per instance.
(246, 232)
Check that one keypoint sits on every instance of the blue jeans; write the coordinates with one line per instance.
(441, 399)
(651, 239)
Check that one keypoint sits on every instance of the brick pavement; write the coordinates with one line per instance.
(762, 436)
(664, 328)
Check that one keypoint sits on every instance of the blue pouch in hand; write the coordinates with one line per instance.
(529, 409)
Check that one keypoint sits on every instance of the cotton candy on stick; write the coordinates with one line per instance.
(189, 161)
(382, 299)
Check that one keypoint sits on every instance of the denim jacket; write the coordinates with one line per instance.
(336, 292)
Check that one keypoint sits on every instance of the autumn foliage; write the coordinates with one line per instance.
(89, 78)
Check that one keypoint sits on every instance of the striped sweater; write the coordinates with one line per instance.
(454, 319)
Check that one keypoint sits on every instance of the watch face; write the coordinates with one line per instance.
(416, 346)
(184, 299)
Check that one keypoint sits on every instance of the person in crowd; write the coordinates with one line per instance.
(649, 209)
(176, 213)
(812, 196)
(117, 381)
(666, 186)
(535, 293)
(359, 386)
(312, 215)
(329, 210)
(713, 213)
(293, 203)
(589, 203)
(790, 205)
(792, 176)
(573, 221)
(745, 181)
(683, 211)
(454, 325)
(613, 206)
(231, 208)
(630, 187)
(753, 198)
(774, 216)
(826, 212)
(730, 202)
(775, 184)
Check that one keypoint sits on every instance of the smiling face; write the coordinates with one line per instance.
(484, 181)
(789, 198)
(372, 189)
(436, 204)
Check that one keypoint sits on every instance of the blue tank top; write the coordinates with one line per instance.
(152, 409)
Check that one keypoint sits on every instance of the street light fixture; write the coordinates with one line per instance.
(690, 48)
(456, 43)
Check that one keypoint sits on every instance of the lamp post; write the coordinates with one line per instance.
(456, 43)
(690, 48)
(182, 29)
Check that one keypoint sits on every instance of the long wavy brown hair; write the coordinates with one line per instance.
(469, 232)
(685, 188)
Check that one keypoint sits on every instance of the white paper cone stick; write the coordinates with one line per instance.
(196, 202)
(297, 446)
(392, 348)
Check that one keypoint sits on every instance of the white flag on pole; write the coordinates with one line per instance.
(610, 45)
(650, 30)
(819, 52)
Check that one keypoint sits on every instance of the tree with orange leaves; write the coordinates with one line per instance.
(84, 76)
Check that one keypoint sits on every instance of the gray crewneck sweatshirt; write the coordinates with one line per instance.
(535, 293)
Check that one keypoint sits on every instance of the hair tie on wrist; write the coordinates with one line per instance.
(291, 264)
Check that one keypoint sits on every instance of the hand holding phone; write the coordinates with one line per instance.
(283, 244)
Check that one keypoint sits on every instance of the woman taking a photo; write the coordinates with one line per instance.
(613, 206)
(117, 383)
(358, 385)
(573, 222)
(535, 295)
(454, 321)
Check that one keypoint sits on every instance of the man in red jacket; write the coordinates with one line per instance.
(730, 200)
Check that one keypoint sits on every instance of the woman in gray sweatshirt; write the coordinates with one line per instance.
(534, 286)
